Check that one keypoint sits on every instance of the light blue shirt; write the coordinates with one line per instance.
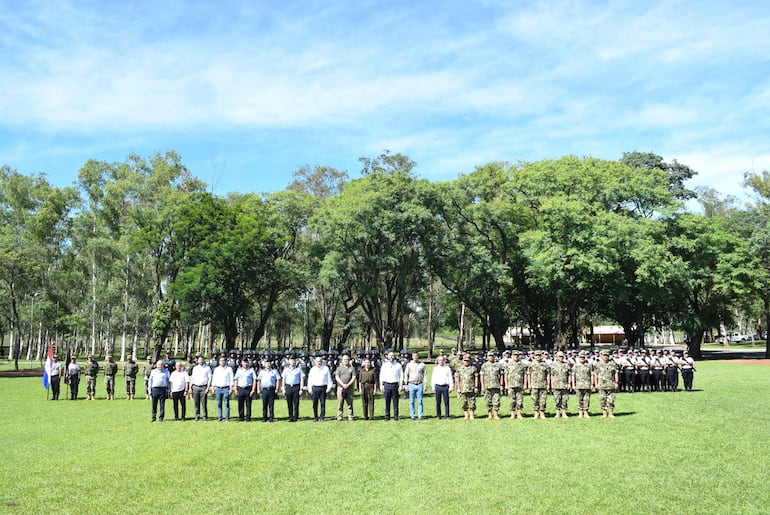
(268, 378)
(245, 377)
(292, 376)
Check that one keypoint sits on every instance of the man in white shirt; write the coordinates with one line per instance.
(319, 383)
(180, 384)
(222, 385)
(390, 382)
(688, 367)
(158, 383)
(200, 382)
(441, 382)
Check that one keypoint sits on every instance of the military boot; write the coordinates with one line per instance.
(495, 415)
(564, 414)
(489, 415)
(465, 417)
(585, 414)
(519, 415)
(542, 415)
(513, 415)
(610, 413)
(471, 415)
(604, 413)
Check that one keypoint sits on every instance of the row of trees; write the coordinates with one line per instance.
(140, 254)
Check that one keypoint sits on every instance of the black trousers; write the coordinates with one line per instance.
(292, 401)
(644, 379)
(318, 394)
(657, 380)
(55, 383)
(630, 379)
(687, 376)
(159, 397)
(672, 373)
(244, 403)
(178, 398)
(74, 382)
(268, 404)
(390, 391)
(442, 396)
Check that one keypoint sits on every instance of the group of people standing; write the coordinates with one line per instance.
(245, 377)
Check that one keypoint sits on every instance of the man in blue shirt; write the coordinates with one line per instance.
(292, 382)
(245, 386)
(267, 382)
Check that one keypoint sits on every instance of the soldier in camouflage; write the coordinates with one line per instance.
(130, 370)
(467, 387)
(560, 384)
(91, 370)
(539, 376)
(515, 382)
(110, 371)
(606, 382)
(490, 385)
(581, 379)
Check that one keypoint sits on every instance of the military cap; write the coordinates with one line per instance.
(466, 358)
(605, 353)
(517, 353)
(490, 353)
(507, 351)
(538, 352)
(560, 354)
(90, 356)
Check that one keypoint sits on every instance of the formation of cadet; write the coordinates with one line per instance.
(514, 373)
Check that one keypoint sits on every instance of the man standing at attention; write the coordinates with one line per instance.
(292, 382)
(55, 375)
(367, 387)
(581, 378)
(158, 383)
(245, 386)
(560, 384)
(688, 368)
(468, 387)
(73, 377)
(390, 380)
(414, 380)
(200, 383)
(179, 382)
(319, 383)
(490, 385)
(110, 370)
(606, 382)
(222, 383)
(515, 382)
(345, 377)
(130, 371)
(267, 383)
(539, 375)
(91, 369)
(441, 383)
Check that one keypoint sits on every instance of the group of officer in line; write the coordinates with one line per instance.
(249, 375)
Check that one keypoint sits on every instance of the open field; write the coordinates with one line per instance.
(699, 452)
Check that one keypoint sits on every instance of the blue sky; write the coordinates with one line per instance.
(247, 92)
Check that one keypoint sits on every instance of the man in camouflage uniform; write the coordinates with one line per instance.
(130, 370)
(539, 376)
(490, 385)
(91, 370)
(467, 387)
(560, 384)
(606, 381)
(515, 382)
(110, 371)
(581, 379)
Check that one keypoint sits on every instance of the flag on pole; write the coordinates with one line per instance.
(47, 368)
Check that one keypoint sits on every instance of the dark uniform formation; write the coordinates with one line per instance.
(269, 374)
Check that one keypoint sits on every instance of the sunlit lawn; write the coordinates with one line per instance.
(701, 452)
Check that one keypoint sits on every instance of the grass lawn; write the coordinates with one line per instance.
(699, 452)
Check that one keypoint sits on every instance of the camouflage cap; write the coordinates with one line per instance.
(560, 354)
(605, 353)
(517, 353)
(538, 352)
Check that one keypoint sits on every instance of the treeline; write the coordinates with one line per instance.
(139, 256)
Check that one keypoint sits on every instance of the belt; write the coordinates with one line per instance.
(392, 383)
(269, 388)
(295, 384)
(199, 386)
(410, 382)
(319, 386)
(442, 385)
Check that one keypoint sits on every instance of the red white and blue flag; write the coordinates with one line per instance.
(47, 368)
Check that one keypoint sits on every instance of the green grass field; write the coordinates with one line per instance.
(699, 452)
